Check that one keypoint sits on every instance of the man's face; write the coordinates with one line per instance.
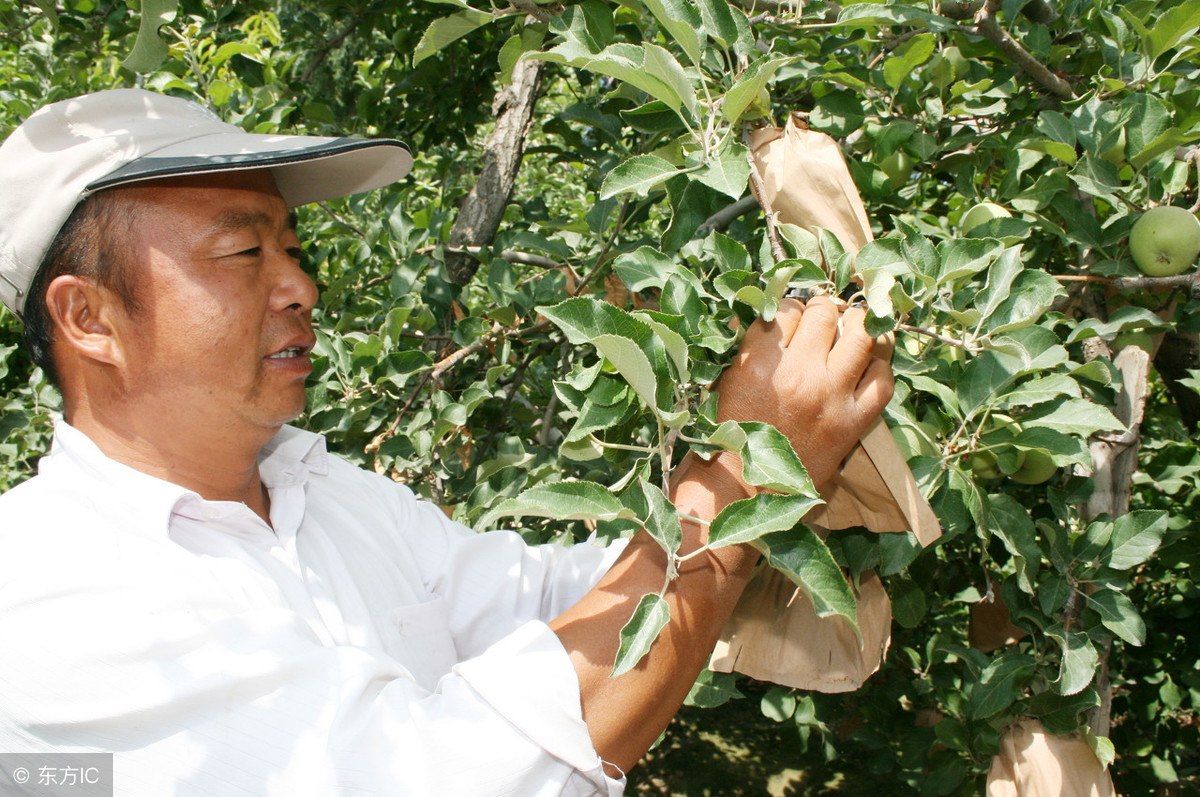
(222, 333)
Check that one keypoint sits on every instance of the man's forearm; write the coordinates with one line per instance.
(626, 714)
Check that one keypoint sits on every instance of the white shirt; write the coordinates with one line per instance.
(365, 645)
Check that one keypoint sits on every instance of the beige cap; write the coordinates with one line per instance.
(68, 150)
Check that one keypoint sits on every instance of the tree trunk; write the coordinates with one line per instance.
(1114, 459)
(482, 211)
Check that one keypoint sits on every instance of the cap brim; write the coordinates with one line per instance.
(306, 168)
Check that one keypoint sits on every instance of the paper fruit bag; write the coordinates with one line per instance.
(1033, 763)
(774, 633)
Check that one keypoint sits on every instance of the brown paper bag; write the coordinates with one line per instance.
(1033, 763)
(806, 182)
(991, 625)
(775, 635)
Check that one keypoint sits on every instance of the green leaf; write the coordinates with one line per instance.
(441, 32)
(561, 501)
(768, 460)
(649, 618)
(716, 16)
(1079, 660)
(674, 344)
(908, 602)
(1173, 26)
(638, 174)
(1136, 536)
(646, 267)
(778, 704)
(750, 518)
(1045, 388)
(984, 378)
(662, 65)
(663, 521)
(149, 50)
(1074, 416)
(801, 555)
(728, 173)
(1032, 294)
(1010, 521)
(1002, 682)
(713, 689)
(903, 63)
(1060, 714)
(632, 363)
(748, 85)
(1124, 319)
(680, 19)
(1119, 615)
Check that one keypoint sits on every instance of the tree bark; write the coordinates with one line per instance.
(1114, 459)
(482, 211)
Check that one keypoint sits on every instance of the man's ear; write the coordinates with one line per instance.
(83, 314)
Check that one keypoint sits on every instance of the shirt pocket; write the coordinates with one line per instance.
(418, 636)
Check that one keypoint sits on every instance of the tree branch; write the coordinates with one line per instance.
(482, 211)
(720, 220)
(989, 28)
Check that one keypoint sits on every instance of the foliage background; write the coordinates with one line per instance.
(461, 388)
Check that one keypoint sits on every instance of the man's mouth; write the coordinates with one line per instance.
(287, 354)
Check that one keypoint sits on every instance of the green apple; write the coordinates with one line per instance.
(980, 214)
(985, 465)
(1116, 153)
(898, 167)
(1165, 240)
(1036, 467)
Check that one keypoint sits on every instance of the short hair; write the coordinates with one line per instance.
(86, 246)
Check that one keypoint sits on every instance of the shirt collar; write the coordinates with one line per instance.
(288, 459)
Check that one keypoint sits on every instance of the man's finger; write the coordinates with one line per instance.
(817, 330)
(777, 332)
(875, 388)
(853, 349)
(885, 347)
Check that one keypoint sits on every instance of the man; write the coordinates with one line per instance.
(199, 588)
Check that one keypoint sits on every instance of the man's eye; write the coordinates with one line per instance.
(253, 251)
(295, 252)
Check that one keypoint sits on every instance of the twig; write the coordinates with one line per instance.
(760, 193)
(1135, 283)
(446, 363)
(990, 29)
(323, 53)
(929, 333)
(325, 207)
(725, 216)
(583, 283)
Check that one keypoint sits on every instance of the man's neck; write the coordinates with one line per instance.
(218, 467)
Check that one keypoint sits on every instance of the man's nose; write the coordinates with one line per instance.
(293, 288)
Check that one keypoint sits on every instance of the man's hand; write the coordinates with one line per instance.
(821, 394)
(820, 390)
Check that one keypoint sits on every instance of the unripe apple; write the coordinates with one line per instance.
(1116, 153)
(1165, 240)
(980, 214)
(1036, 467)
(985, 465)
(983, 213)
(898, 167)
